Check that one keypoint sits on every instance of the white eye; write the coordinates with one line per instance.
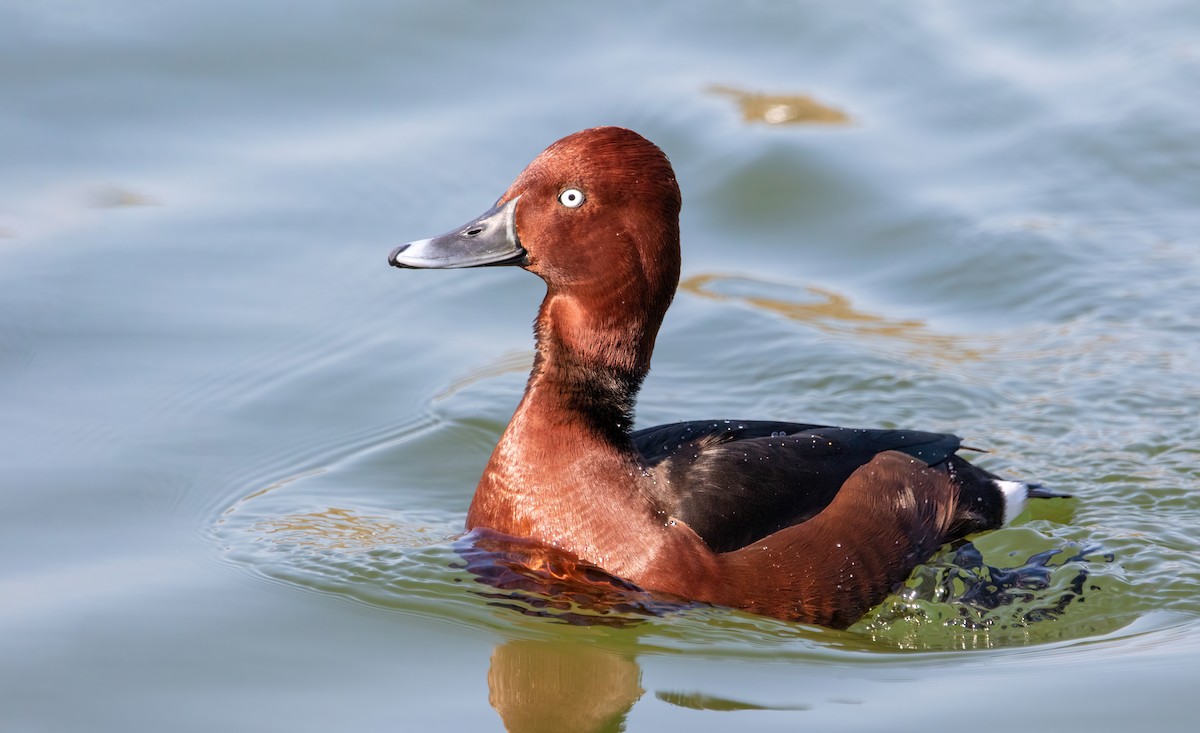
(572, 198)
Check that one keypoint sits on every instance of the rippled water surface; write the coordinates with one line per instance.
(237, 449)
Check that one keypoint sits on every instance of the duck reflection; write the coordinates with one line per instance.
(571, 686)
(551, 686)
(536, 580)
(782, 109)
(558, 685)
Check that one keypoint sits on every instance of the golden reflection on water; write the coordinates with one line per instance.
(543, 686)
(834, 314)
(334, 528)
(116, 197)
(539, 686)
(782, 109)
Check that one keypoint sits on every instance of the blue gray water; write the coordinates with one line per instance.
(236, 447)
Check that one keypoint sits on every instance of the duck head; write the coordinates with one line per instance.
(596, 216)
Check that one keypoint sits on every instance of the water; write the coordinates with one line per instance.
(236, 447)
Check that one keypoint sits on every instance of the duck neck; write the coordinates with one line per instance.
(568, 443)
(593, 352)
(589, 367)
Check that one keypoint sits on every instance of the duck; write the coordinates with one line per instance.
(807, 523)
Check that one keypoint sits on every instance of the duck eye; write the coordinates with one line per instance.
(572, 198)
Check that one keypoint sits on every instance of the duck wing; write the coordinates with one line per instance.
(891, 514)
(737, 481)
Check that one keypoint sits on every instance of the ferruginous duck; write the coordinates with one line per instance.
(802, 522)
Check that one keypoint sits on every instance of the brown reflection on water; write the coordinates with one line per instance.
(542, 686)
(540, 581)
(115, 197)
(782, 109)
(701, 701)
(832, 313)
(334, 528)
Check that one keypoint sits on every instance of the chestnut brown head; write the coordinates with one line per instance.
(596, 211)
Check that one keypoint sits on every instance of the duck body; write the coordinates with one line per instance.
(802, 522)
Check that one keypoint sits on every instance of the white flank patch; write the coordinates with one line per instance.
(1015, 494)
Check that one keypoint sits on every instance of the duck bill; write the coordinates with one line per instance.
(488, 240)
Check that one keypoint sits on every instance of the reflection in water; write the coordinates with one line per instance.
(518, 362)
(336, 528)
(241, 503)
(542, 685)
(544, 582)
(782, 109)
(700, 701)
(546, 686)
(326, 528)
(992, 606)
(567, 679)
(558, 686)
(830, 313)
(116, 197)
